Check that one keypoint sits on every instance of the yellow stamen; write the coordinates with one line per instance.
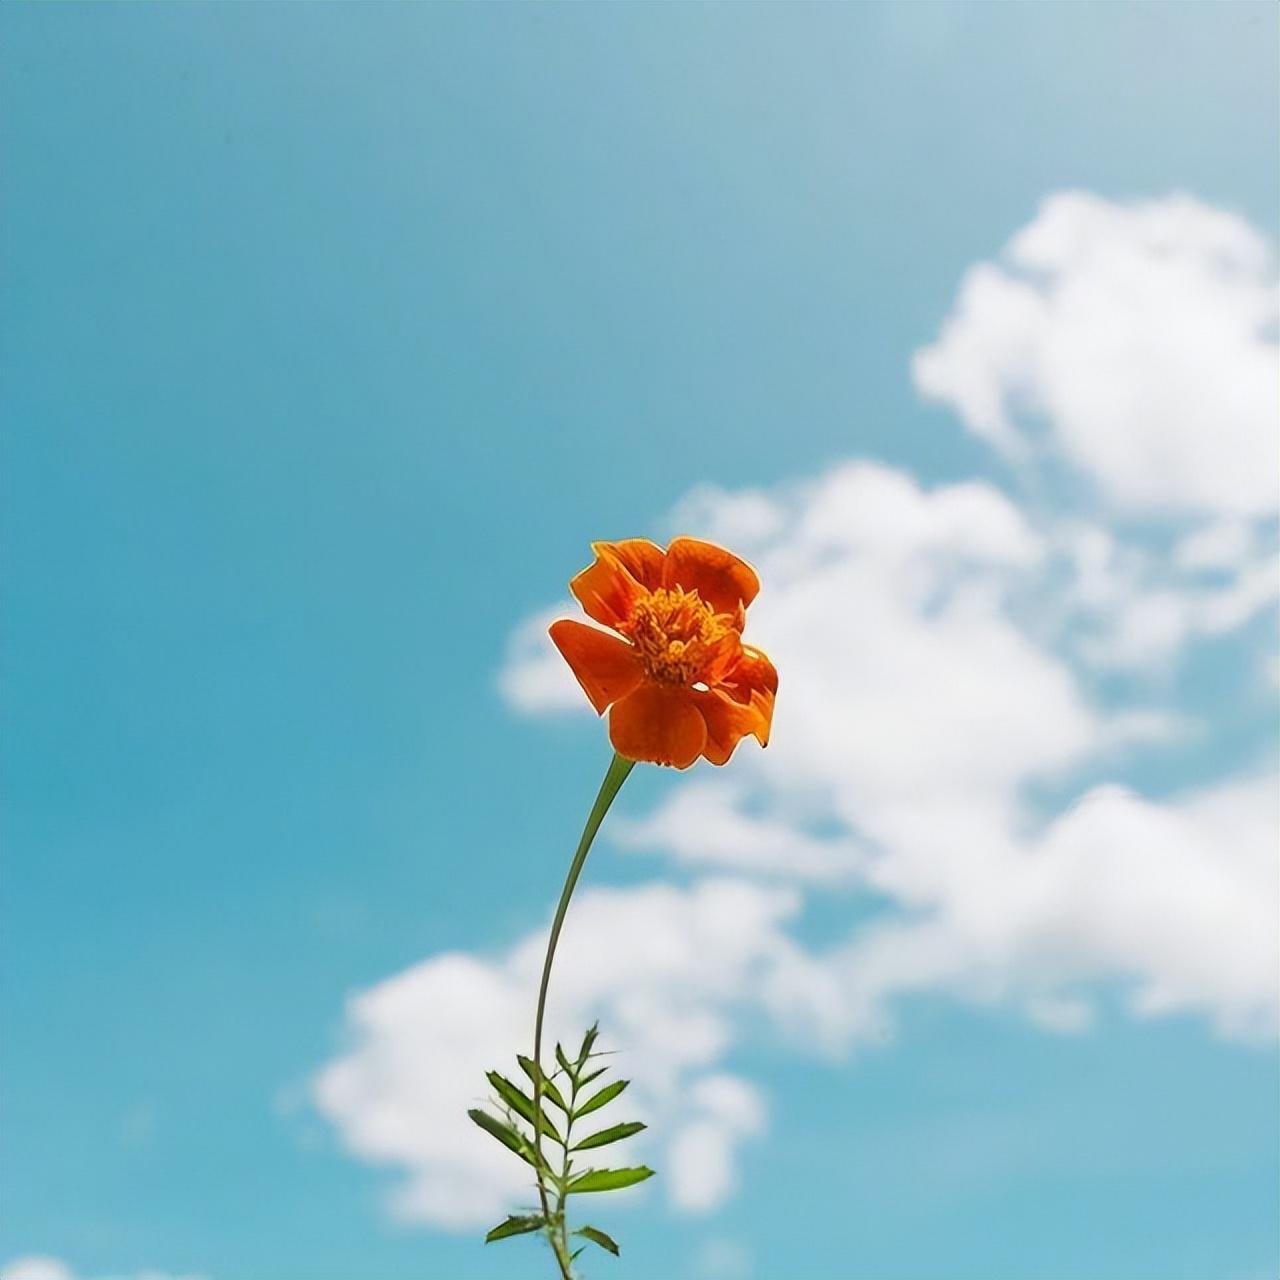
(677, 634)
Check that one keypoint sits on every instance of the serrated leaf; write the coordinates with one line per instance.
(605, 1096)
(506, 1135)
(609, 1179)
(520, 1103)
(606, 1136)
(596, 1236)
(534, 1072)
(515, 1226)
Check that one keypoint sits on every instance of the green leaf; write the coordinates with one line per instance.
(506, 1135)
(503, 1133)
(534, 1072)
(515, 1226)
(606, 1095)
(597, 1236)
(606, 1136)
(564, 1062)
(608, 1179)
(587, 1041)
(590, 1076)
(573, 1257)
(521, 1104)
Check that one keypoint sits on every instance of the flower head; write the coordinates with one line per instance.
(672, 670)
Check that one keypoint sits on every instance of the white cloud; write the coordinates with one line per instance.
(912, 739)
(727, 1110)
(938, 651)
(42, 1267)
(1142, 336)
(1128, 607)
(704, 824)
(534, 677)
(36, 1268)
(888, 610)
(1220, 544)
(1177, 900)
(1182, 897)
(666, 970)
(734, 518)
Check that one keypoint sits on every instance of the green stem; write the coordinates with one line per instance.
(619, 768)
(561, 1225)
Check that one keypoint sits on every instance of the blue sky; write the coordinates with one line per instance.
(333, 335)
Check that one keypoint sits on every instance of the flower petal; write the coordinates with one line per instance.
(641, 558)
(728, 722)
(605, 590)
(607, 667)
(725, 582)
(659, 723)
(622, 572)
(753, 682)
(724, 658)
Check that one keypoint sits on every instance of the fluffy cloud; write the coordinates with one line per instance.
(1176, 900)
(1137, 344)
(534, 677)
(900, 762)
(939, 651)
(702, 1154)
(668, 971)
(917, 740)
(706, 824)
(1142, 337)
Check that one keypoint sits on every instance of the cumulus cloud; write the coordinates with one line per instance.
(706, 825)
(1141, 339)
(941, 748)
(917, 740)
(668, 971)
(1136, 344)
(900, 760)
(1176, 900)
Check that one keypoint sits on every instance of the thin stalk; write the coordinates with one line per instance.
(561, 1224)
(615, 776)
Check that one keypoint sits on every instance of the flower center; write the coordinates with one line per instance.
(677, 634)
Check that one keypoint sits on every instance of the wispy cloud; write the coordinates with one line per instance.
(43, 1267)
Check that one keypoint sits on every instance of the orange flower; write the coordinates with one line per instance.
(673, 668)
